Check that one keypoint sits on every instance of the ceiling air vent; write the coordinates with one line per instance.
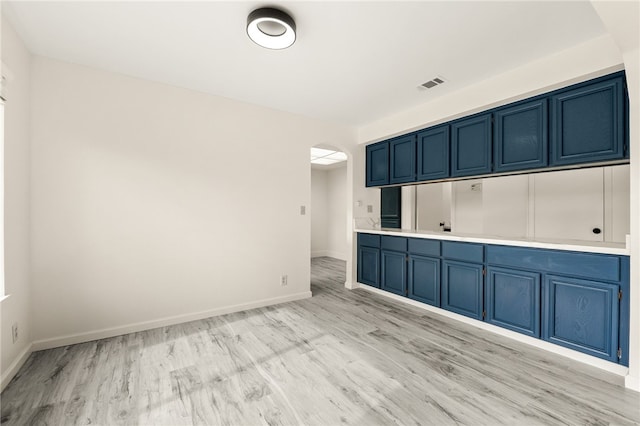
(432, 83)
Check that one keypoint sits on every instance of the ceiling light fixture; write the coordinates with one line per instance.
(271, 28)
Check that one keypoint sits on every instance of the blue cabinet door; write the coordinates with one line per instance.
(377, 164)
(471, 146)
(433, 153)
(512, 300)
(369, 266)
(520, 137)
(394, 272)
(582, 315)
(462, 288)
(424, 279)
(402, 160)
(587, 123)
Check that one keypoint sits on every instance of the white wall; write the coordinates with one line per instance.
(156, 204)
(564, 204)
(336, 212)
(329, 212)
(319, 213)
(17, 307)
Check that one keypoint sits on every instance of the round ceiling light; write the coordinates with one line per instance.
(271, 28)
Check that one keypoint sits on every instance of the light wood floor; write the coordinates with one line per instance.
(341, 357)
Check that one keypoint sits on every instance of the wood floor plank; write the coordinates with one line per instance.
(341, 357)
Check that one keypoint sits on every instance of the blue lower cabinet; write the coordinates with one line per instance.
(369, 266)
(582, 315)
(462, 288)
(512, 300)
(394, 272)
(424, 279)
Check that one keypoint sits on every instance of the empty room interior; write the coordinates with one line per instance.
(320, 212)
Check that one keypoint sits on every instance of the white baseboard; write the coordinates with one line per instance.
(73, 339)
(12, 370)
(329, 253)
(617, 369)
(632, 383)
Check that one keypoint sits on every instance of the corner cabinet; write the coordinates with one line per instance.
(587, 123)
(576, 300)
(377, 164)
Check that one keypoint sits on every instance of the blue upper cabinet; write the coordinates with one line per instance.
(520, 137)
(377, 164)
(587, 123)
(402, 163)
(471, 146)
(433, 153)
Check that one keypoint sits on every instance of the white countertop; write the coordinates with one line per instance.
(569, 245)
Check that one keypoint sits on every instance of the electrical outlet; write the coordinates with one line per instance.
(14, 332)
(369, 208)
(303, 210)
(283, 280)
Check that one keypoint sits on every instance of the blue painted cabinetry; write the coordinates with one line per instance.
(369, 259)
(433, 153)
(587, 123)
(512, 299)
(424, 271)
(582, 315)
(394, 264)
(402, 160)
(377, 164)
(471, 146)
(582, 124)
(462, 278)
(576, 300)
(520, 137)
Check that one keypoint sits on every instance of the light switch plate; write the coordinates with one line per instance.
(303, 210)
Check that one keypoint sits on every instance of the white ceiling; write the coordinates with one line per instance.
(353, 62)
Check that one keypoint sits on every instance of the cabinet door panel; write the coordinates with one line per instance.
(433, 153)
(377, 164)
(462, 288)
(513, 300)
(520, 140)
(424, 279)
(369, 266)
(587, 123)
(403, 160)
(471, 146)
(394, 272)
(582, 315)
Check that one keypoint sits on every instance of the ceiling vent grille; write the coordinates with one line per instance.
(432, 83)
